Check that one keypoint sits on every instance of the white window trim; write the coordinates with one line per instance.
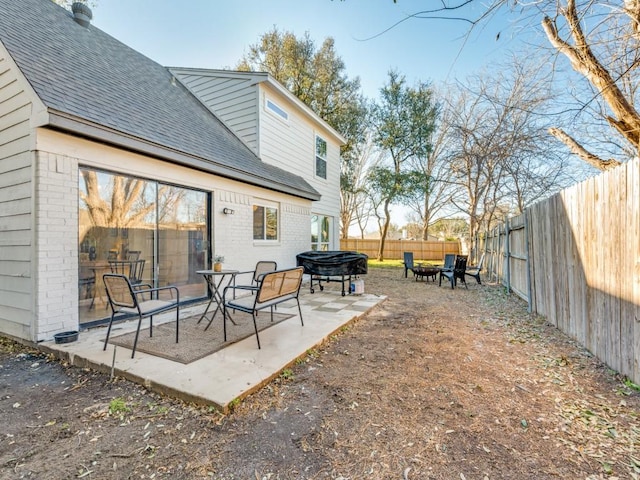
(272, 110)
(268, 204)
(316, 156)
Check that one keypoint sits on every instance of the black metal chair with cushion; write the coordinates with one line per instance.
(474, 271)
(127, 299)
(457, 273)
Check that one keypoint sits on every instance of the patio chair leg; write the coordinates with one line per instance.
(135, 340)
(106, 340)
(177, 322)
(255, 326)
(224, 322)
(300, 311)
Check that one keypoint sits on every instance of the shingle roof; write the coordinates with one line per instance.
(87, 75)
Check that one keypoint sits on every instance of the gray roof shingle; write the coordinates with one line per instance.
(87, 75)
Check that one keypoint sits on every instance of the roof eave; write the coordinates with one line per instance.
(77, 126)
(265, 77)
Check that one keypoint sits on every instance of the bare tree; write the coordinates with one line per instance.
(601, 40)
(500, 153)
(355, 204)
(607, 57)
(118, 210)
(404, 120)
(432, 194)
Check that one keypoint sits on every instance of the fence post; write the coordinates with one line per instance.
(507, 252)
(528, 253)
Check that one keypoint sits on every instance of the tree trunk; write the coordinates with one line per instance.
(385, 230)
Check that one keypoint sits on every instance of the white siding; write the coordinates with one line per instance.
(232, 100)
(16, 285)
(239, 99)
(291, 146)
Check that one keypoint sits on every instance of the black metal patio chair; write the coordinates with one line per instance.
(127, 300)
(262, 267)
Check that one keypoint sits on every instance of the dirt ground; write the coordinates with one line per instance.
(433, 384)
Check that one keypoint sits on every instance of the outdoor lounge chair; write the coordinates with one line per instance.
(449, 261)
(457, 273)
(276, 287)
(474, 271)
(127, 299)
(408, 263)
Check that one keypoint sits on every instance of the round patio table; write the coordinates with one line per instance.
(215, 284)
(421, 271)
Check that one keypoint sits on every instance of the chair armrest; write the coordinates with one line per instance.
(242, 273)
(250, 288)
(150, 291)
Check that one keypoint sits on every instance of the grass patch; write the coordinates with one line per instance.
(385, 263)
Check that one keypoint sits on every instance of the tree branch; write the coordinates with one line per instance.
(583, 60)
(582, 152)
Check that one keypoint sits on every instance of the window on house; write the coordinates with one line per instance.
(321, 157)
(265, 222)
(320, 233)
(277, 110)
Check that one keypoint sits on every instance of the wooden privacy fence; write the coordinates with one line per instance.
(506, 255)
(393, 249)
(575, 258)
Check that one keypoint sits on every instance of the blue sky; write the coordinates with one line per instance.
(216, 33)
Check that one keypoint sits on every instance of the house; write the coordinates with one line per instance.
(282, 131)
(105, 154)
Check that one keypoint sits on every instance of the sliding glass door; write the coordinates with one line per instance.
(162, 228)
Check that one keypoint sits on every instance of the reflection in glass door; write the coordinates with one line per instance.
(134, 225)
(320, 234)
(182, 239)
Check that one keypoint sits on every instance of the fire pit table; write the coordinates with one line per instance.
(426, 271)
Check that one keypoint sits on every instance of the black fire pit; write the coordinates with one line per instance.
(333, 266)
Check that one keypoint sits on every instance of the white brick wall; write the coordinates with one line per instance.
(56, 244)
(233, 234)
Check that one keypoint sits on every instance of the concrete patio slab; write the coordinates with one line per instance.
(231, 373)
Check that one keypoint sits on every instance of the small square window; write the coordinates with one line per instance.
(265, 223)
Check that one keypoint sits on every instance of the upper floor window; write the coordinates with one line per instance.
(265, 222)
(321, 157)
(277, 110)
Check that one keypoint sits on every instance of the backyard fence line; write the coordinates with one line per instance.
(394, 249)
(575, 258)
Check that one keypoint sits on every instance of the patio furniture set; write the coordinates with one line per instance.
(454, 269)
(269, 287)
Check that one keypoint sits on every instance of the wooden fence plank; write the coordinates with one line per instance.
(582, 247)
(394, 249)
(626, 273)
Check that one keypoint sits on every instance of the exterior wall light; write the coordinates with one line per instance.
(227, 211)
